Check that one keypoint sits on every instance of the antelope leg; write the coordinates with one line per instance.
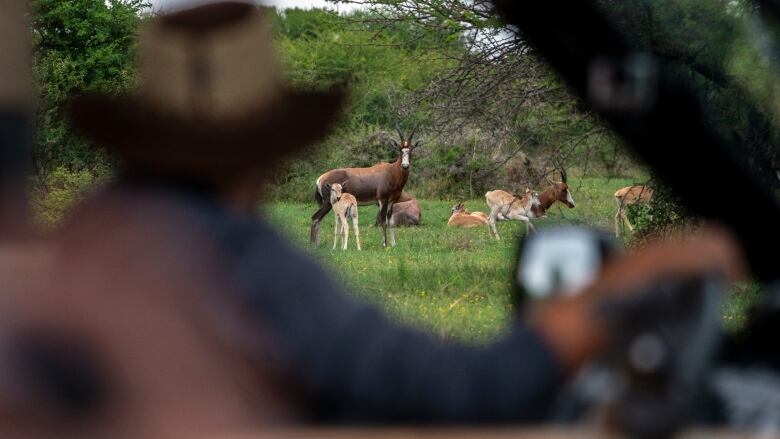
(383, 221)
(357, 229)
(345, 230)
(392, 224)
(628, 223)
(335, 230)
(492, 222)
(529, 224)
(316, 221)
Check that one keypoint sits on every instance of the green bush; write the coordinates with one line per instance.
(62, 190)
(663, 215)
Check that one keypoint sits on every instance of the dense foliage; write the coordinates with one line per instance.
(717, 48)
(488, 118)
(80, 45)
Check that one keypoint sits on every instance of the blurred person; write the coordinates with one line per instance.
(116, 334)
(205, 316)
(15, 114)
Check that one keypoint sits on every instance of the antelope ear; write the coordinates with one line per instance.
(327, 186)
(394, 143)
(417, 143)
(344, 184)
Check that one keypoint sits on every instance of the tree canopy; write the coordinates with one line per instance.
(490, 111)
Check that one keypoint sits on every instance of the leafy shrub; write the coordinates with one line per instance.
(657, 219)
(63, 189)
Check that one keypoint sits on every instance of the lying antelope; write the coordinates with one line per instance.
(557, 191)
(344, 206)
(512, 207)
(625, 197)
(406, 211)
(462, 218)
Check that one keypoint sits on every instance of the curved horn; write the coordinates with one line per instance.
(413, 131)
(398, 128)
(559, 166)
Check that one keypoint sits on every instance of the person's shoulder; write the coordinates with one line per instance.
(269, 260)
(129, 224)
(261, 241)
(117, 207)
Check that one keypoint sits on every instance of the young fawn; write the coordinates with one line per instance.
(344, 205)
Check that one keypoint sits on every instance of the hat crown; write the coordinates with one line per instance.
(214, 62)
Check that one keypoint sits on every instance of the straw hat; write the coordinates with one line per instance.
(211, 101)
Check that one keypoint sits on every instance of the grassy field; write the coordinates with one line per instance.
(454, 282)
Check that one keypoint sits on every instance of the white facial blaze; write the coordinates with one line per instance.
(569, 198)
(405, 157)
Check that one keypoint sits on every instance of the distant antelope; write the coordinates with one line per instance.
(382, 184)
(512, 207)
(462, 218)
(344, 206)
(625, 197)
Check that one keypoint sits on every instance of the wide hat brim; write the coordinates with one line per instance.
(150, 141)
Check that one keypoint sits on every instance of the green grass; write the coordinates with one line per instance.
(741, 297)
(453, 282)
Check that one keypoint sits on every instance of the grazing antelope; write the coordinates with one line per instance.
(625, 197)
(382, 184)
(344, 206)
(462, 218)
(511, 207)
(406, 211)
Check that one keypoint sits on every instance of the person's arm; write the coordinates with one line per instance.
(366, 368)
(572, 328)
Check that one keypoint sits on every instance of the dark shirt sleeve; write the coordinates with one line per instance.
(361, 367)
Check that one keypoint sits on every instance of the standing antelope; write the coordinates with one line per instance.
(382, 184)
(344, 206)
(462, 218)
(625, 197)
(511, 207)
